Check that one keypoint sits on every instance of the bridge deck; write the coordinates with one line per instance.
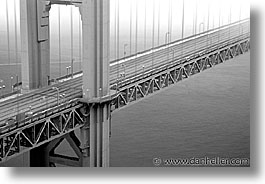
(132, 66)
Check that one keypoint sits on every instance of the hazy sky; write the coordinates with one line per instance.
(124, 11)
(239, 10)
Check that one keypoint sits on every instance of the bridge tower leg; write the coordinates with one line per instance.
(35, 44)
(96, 22)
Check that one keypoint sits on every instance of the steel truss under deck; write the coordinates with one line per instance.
(183, 69)
(40, 129)
(60, 122)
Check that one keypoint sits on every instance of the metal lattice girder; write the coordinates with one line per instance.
(182, 70)
(40, 129)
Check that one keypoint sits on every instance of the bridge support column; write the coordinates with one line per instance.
(35, 46)
(96, 22)
(39, 157)
(45, 155)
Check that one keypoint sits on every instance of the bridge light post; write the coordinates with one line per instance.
(202, 23)
(17, 81)
(124, 70)
(167, 37)
(124, 55)
(67, 68)
(12, 87)
(72, 68)
(2, 88)
(173, 55)
(48, 79)
(167, 42)
(124, 51)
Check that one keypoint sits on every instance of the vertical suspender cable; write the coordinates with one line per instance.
(136, 28)
(7, 30)
(16, 45)
(15, 19)
(182, 32)
(118, 35)
(153, 37)
(115, 38)
(59, 35)
(115, 30)
(208, 25)
(170, 21)
(170, 28)
(131, 28)
(72, 43)
(193, 28)
(145, 25)
(195, 24)
(230, 19)
(213, 22)
(136, 35)
(80, 43)
(158, 25)
(240, 7)
(168, 33)
(219, 26)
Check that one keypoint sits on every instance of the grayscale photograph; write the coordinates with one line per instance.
(124, 83)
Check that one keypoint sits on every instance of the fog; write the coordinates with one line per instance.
(162, 15)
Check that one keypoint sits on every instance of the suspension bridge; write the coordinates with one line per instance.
(41, 111)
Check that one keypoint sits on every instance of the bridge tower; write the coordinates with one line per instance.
(93, 145)
(35, 43)
(96, 31)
